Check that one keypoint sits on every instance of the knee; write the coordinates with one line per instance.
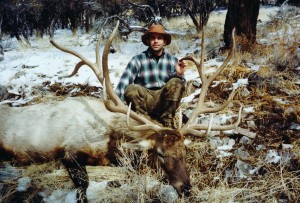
(176, 83)
(136, 95)
(132, 92)
(174, 89)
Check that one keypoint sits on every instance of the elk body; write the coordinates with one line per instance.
(77, 131)
(84, 131)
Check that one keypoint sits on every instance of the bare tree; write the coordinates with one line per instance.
(1, 21)
(142, 12)
(150, 11)
(199, 10)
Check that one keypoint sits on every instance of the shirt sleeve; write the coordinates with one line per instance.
(127, 78)
(174, 73)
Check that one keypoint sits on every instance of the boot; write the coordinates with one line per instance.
(165, 113)
(167, 122)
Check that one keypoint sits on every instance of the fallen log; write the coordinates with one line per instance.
(95, 173)
(46, 173)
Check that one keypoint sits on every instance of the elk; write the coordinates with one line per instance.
(84, 131)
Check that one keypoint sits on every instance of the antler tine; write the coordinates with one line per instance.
(194, 129)
(109, 89)
(84, 61)
(116, 104)
(200, 108)
(221, 128)
(97, 50)
(206, 82)
(199, 65)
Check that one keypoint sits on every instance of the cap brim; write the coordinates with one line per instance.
(146, 36)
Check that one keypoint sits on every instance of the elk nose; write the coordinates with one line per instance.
(186, 190)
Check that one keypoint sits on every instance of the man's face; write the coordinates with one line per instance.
(157, 42)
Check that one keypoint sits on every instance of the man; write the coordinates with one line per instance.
(154, 80)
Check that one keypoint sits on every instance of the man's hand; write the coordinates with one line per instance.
(180, 67)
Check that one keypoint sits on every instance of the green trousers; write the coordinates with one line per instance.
(159, 104)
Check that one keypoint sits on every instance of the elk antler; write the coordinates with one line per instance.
(84, 61)
(191, 128)
(115, 104)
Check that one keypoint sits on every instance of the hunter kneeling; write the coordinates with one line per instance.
(153, 81)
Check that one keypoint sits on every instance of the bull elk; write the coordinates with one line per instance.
(86, 131)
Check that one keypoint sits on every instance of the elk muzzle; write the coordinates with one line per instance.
(178, 176)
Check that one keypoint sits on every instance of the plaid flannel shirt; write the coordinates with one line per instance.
(145, 70)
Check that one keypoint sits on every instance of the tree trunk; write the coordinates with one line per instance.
(242, 15)
(1, 20)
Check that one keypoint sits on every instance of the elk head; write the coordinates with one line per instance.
(168, 151)
(167, 145)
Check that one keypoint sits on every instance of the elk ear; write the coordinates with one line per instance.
(140, 145)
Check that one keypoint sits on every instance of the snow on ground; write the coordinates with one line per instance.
(24, 70)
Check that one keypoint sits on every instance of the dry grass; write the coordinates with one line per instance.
(275, 98)
(212, 185)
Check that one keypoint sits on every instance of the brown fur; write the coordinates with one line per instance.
(119, 134)
(169, 142)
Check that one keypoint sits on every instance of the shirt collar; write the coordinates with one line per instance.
(151, 55)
